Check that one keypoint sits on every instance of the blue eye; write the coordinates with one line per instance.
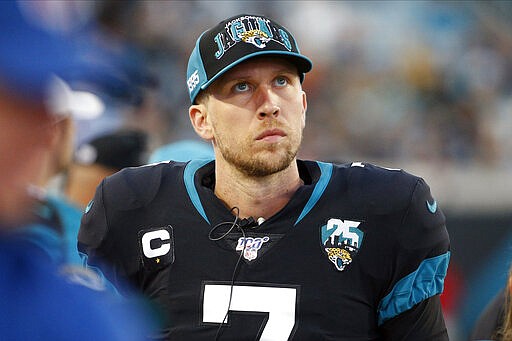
(241, 87)
(280, 81)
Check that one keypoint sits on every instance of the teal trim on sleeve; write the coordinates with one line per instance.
(95, 280)
(321, 185)
(69, 216)
(425, 282)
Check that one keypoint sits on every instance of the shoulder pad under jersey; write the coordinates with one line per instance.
(378, 189)
(135, 187)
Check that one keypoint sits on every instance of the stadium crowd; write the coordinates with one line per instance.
(396, 81)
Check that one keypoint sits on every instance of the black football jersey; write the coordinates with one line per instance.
(360, 252)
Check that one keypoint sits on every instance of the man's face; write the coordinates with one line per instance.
(256, 112)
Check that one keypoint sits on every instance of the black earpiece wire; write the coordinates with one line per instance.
(234, 224)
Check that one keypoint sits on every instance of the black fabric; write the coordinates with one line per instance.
(424, 320)
(120, 149)
(285, 267)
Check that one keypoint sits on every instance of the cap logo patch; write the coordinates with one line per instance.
(256, 37)
(250, 29)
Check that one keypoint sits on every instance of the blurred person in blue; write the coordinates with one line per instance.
(79, 173)
(257, 244)
(38, 301)
(70, 174)
(90, 109)
(182, 150)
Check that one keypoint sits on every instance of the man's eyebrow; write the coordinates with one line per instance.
(242, 75)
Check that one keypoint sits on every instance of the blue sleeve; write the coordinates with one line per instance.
(41, 304)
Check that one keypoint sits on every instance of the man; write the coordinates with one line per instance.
(101, 156)
(94, 160)
(38, 302)
(260, 245)
(47, 228)
(65, 187)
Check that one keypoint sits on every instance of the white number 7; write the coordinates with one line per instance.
(280, 303)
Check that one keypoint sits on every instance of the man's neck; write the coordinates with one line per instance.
(256, 196)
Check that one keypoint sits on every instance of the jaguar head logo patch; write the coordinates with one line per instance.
(341, 240)
(256, 37)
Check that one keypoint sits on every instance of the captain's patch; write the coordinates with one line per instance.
(156, 247)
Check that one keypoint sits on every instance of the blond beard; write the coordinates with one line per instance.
(259, 164)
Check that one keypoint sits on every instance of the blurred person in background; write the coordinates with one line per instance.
(93, 113)
(38, 301)
(100, 157)
(104, 155)
(258, 244)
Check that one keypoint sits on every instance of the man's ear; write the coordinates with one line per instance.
(198, 114)
(304, 109)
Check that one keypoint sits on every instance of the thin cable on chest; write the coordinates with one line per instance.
(234, 224)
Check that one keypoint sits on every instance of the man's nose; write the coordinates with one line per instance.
(268, 102)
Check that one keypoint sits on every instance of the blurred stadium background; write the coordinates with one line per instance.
(421, 85)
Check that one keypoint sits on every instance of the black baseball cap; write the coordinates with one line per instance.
(117, 150)
(235, 40)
